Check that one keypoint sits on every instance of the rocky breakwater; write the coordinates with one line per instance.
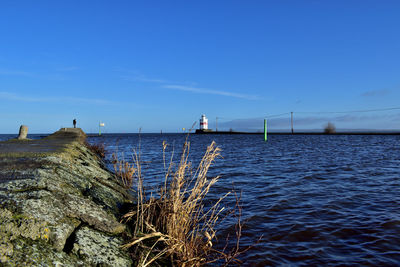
(59, 205)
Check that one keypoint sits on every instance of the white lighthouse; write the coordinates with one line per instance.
(203, 122)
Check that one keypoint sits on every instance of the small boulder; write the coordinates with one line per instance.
(23, 132)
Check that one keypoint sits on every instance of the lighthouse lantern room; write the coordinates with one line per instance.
(203, 122)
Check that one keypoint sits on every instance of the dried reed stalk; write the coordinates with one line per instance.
(98, 149)
(177, 224)
(124, 170)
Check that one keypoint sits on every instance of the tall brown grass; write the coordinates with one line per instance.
(98, 149)
(177, 225)
(124, 170)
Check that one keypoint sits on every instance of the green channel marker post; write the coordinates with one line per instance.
(101, 124)
(265, 130)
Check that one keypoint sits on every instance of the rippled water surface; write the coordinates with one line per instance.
(317, 200)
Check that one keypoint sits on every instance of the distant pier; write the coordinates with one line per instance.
(208, 131)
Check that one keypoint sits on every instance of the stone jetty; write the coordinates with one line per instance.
(59, 205)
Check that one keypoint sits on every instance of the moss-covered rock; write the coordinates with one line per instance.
(98, 248)
(58, 204)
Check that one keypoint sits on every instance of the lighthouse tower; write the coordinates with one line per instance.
(203, 122)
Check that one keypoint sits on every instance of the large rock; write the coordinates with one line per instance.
(99, 248)
(57, 204)
(23, 132)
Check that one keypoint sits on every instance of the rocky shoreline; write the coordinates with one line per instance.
(59, 205)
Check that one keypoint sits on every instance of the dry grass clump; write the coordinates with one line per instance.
(124, 170)
(98, 149)
(177, 226)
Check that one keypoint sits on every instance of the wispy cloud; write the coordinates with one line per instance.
(376, 93)
(142, 78)
(29, 74)
(181, 86)
(210, 91)
(17, 73)
(86, 100)
(23, 98)
(309, 122)
(15, 97)
(67, 69)
(132, 75)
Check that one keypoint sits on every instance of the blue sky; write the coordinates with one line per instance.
(159, 65)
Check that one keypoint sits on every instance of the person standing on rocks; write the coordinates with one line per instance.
(74, 122)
